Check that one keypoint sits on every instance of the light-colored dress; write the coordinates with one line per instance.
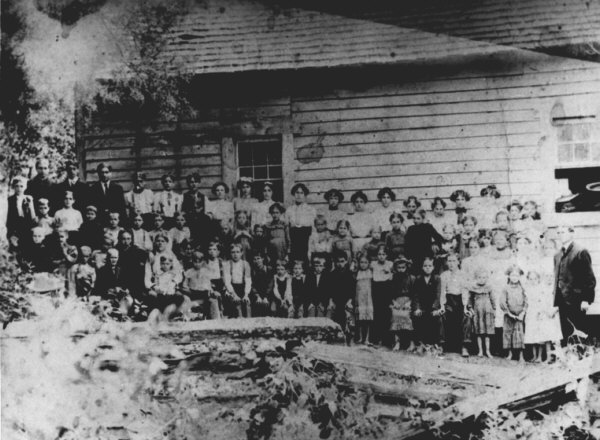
(260, 213)
(245, 204)
(361, 224)
(220, 210)
(68, 218)
(481, 301)
(364, 297)
(381, 216)
(333, 217)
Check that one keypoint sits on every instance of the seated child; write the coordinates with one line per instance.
(197, 286)
(113, 229)
(165, 298)
(109, 276)
(179, 232)
(261, 285)
(64, 255)
(37, 256)
(216, 270)
(159, 222)
(82, 275)
(282, 302)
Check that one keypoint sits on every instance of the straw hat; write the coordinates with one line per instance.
(45, 282)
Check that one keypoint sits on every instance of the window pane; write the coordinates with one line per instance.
(565, 153)
(565, 133)
(245, 155)
(275, 172)
(581, 132)
(260, 172)
(260, 155)
(596, 152)
(582, 151)
(246, 172)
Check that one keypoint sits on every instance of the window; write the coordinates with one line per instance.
(261, 160)
(578, 141)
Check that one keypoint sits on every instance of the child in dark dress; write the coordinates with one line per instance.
(342, 295)
(277, 233)
(421, 241)
(426, 306)
(395, 240)
(401, 291)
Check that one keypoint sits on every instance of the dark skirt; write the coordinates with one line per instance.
(458, 327)
(299, 243)
(382, 314)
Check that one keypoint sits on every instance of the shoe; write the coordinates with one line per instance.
(465, 353)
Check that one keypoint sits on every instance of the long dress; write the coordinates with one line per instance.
(401, 302)
(513, 300)
(364, 297)
(481, 301)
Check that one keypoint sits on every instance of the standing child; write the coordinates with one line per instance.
(261, 284)
(448, 245)
(541, 329)
(140, 200)
(167, 202)
(482, 307)
(282, 291)
(299, 293)
(382, 275)
(225, 237)
(300, 217)
(342, 295)
(241, 232)
(426, 307)
(513, 302)
(473, 261)
(277, 234)
(260, 244)
(402, 287)
(515, 210)
(363, 298)
(113, 229)
(488, 207)
(68, 218)
(320, 239)
(455, 301)
(238, 284)
(342, 242)
(141, 237)
(179, 232)
(333, 214)
(91, 231)
(220, 209)
(396, 238)
(468, 233)
(260, 214)
(485, 242)
(372, 246)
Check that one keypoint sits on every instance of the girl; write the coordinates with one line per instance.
(220, 209)
(411, 204)
(438, 219)
(91, 231)
(513, 302)
(485, 242)
(448, 245)
(334, 214)
(300, 217)
(382, 275)
(426, 307)
(44, 220)
(342, 241)
(361, 221)
(468, 233)
(500, 258)
(198, 287)
(159, 222)
(81, 276)
(370, 249)
(241, 232)
(282, 291)
(474, 260)
(179, 232)
(260, 243)
(363, 298)
(401, 289)
(113, 229)
(455, 301)
(460, 198)
(420, 241)
(381, 214)
(481, 307)
(394, 242)
(525, 254)
(245, 201)
(238, 284)
(299, 293)
(215, 268)
(531, 219)
(140, 200)
(320, 239)
(260, 212)
(261, 284)
(342, 297)
(167, 202)
(515, 210)
(277, 234)
(68, 217)
(141, 237)
(489, 205)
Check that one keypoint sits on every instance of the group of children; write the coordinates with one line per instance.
(392, 275)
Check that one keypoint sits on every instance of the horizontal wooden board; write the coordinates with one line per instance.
(124, 155)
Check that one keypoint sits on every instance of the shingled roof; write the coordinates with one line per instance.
(238, 35)
(243, 35)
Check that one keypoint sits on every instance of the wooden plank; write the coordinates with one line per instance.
(116, 152)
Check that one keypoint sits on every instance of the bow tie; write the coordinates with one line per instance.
(461, 210)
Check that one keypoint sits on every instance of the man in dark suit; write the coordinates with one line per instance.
(40, 187)
(72, 183)
(110, 276)
(574, 282)
(105, 195)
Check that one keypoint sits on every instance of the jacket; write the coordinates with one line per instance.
(574, 278)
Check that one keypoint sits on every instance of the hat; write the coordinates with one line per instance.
(44, 282)
(244, 181)
(91, 208)
(402, 259)
(300, 186)
(268, 183)
(334, 192)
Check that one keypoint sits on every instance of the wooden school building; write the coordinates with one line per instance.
(422, 96)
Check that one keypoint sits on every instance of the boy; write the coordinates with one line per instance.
(110, 276)
(68, 217)
(197, 286)
(38, 256)
(20, 216)
(44, 220)
(262, 281)
(167, 201)
(426, 308)
(238, 283)
(318, 288)
(113, 229)
(140, 200)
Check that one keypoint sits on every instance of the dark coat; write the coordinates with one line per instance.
(342, 287)
(418, 242)
(90, 234)
(574, 278)
(39, 188)
(38, 257)
(426, 295)
(113, 200)
(106, 279)
(133, 263)
(321, 293)
(19, 225)
(190, 199)
(80, 193)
